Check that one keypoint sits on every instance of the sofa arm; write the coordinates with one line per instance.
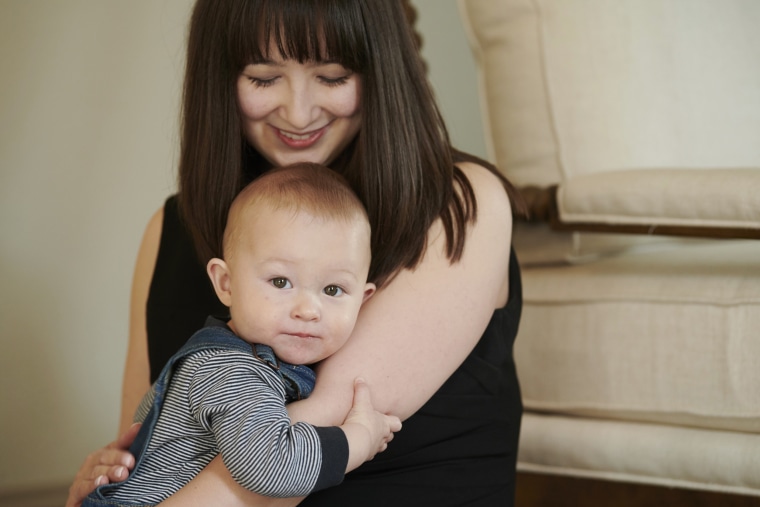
(715, 203)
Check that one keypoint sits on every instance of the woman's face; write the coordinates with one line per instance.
(295, 112)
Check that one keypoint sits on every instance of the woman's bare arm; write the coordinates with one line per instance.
(417, 330)
(136, 381)
(414, 332)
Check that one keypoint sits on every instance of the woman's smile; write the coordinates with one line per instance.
(300, 141)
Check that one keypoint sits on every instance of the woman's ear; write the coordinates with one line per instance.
(219, 273)
(369, 289)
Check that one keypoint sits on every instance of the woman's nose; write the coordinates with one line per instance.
(299, 108)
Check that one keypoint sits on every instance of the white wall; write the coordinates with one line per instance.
(452, 72)
(88, 96)
(88, 106)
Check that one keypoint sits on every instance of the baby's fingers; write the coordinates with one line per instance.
(362, 398)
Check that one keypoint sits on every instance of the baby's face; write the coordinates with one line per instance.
(297, 282)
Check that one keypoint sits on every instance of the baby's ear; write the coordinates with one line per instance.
(369, 290)
(220, 277)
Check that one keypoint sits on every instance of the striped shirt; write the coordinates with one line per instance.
(230, 403)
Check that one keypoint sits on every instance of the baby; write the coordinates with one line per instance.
(294, 276)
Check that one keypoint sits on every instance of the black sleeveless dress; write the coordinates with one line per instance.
(459, 449)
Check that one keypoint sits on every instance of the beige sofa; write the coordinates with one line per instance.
(634, 126)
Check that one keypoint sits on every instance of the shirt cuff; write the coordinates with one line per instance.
(334, 457)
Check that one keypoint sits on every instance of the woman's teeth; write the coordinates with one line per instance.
(295, 137)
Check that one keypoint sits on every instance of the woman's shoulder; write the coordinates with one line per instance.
(169, 211)
(489, 238)
(155, 224)
(490, 195)
(149, 245)
(165, 227)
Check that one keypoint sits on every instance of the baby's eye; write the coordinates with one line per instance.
(333, 290)
(281, 283)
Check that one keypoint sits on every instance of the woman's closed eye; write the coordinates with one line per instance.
(334, 81)
(262, 82)
(281, 283)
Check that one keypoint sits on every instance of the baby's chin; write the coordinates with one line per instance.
(298, 356)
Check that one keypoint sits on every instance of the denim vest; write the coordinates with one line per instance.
(297, 379)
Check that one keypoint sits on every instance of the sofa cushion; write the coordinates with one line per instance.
(665, 334)
(712, 460)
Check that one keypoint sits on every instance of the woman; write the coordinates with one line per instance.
(340, 82)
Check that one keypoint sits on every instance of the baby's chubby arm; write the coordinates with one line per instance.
(366, 430)
(238, 401)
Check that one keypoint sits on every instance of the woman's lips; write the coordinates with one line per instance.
(299, 141)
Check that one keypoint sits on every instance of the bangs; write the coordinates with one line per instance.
(300, 30)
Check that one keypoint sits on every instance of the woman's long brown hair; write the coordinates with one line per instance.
(401, 163)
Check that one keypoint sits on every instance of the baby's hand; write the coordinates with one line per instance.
(368, 431)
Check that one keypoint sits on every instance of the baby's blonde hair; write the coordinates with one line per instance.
(301, 187)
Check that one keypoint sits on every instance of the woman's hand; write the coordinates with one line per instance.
(109, 464)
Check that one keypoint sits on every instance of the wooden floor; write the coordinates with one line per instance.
(533, 490)
(536, 490)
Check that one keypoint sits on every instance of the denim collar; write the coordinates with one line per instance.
(298, 379)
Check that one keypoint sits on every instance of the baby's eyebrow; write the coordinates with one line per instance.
(341, 273)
